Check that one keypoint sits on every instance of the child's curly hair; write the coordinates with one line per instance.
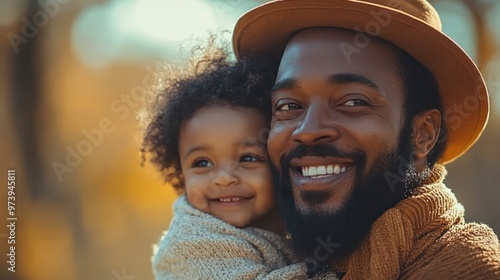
(212, 80)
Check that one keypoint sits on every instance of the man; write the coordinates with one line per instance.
(364, 120)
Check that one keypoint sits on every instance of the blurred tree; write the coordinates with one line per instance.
(27, 108)
(26, 101)
(486, 46)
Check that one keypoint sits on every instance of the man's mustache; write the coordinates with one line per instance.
(321, 150)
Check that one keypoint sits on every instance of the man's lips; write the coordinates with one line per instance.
(320, 166)
(319, 173)
(319, 170)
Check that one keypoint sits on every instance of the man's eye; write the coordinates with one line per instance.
(288, 107)
(202, 163)
(356, 102)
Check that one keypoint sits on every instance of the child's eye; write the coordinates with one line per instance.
(249, 158)
(202, 163)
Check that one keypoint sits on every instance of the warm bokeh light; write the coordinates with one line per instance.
(458, 23)
(493, 19)
(128, 29)
(94, 39)
(171, 20)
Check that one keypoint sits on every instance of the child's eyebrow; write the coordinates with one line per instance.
(253, 142)
(195, 149)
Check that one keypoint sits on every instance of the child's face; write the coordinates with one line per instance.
(225, 164)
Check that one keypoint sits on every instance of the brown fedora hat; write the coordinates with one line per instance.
(412, 25)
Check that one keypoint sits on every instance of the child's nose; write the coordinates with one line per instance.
(225, 177)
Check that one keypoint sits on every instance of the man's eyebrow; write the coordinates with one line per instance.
(349, 78)
(338, 79)
(284, 84)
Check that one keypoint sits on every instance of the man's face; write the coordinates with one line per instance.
(352, 103)
(337, 123)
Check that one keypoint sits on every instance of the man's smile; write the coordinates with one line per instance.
(312, 173)
(322, 170)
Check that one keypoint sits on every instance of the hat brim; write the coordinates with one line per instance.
(267, 29)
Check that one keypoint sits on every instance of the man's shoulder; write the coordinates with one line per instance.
(465, 251)
(471, 239)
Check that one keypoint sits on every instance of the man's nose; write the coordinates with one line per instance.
(316, 126)
(226, 176)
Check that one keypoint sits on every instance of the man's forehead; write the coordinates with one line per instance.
(308, 41)
(321, 32)
(315, 49)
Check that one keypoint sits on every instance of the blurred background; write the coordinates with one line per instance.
(73, 74)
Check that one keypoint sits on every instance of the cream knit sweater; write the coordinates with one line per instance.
(200, 246)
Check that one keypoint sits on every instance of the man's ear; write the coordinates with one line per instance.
(426, 128)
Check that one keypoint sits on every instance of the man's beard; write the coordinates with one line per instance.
(324, 236)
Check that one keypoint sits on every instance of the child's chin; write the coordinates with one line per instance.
(239, 223)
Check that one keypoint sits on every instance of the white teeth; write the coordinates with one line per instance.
(312, 171)
(336, 170)
(321, 170)
(229, 199)
(316, 171)
(305, 171)
(329, 169)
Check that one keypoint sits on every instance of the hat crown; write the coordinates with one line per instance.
(420, 9)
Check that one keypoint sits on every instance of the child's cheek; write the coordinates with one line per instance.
(195, 192)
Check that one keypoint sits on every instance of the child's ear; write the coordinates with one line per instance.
(426, 128)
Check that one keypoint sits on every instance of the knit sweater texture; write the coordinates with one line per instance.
(425, 237)
(199, 246)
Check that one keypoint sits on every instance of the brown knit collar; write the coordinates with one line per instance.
(431, 203)
(436, 175)
(432, 208)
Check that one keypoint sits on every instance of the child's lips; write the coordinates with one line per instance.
(231, 200)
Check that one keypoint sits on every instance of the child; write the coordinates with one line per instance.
(207, 136)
